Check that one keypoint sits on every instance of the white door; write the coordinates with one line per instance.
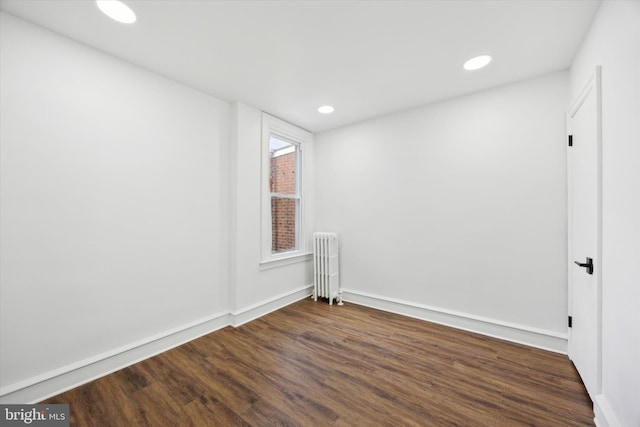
(585, 194)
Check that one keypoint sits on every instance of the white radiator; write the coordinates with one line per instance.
(326, 274)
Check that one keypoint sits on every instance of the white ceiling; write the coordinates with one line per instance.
(366, 58)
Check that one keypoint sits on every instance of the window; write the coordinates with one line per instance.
(284, 186)
(283, 200)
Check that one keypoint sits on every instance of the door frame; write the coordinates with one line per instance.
(594, 83)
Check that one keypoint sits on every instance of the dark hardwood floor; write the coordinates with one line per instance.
(311, 364)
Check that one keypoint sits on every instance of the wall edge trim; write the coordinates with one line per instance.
(57, 381)
(257, 310)
(513, 332)
(54, 382)
(604, 415)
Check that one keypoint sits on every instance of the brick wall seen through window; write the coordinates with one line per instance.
(284, 197)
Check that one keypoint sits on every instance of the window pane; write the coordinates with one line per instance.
(283, 224)
(283, 166)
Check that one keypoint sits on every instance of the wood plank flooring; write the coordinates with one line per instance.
(311, 364)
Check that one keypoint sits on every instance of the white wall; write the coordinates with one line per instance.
(251, 284)
(130, 208)
(130, 215)
(457, 208)
(614, 42)
(114, 209)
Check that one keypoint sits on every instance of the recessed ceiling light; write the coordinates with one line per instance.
(477, 62)
(326, 109)
(117, 10)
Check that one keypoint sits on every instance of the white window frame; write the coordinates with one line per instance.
(273, 126)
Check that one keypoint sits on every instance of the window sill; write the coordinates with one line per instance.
(285, 260)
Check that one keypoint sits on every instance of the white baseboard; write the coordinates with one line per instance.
(36, 389)
(65, 378)
(255, 311)
(604, 414)
(521, 334)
